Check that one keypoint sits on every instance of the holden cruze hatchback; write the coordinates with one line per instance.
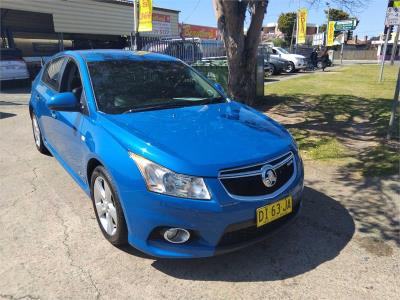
(173, 166)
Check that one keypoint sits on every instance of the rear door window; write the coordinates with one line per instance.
(52, 73)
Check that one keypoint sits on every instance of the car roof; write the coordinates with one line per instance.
(108, 54)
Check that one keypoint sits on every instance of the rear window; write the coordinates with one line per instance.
(10, 54)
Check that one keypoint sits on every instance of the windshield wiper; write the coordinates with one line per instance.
(158, 106)
(219, 99)
(181, 103)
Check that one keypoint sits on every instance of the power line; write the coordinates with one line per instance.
(194, 9)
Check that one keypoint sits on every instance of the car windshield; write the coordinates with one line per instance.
(124, 86)
(282, 50)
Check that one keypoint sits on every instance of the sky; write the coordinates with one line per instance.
(201, 12)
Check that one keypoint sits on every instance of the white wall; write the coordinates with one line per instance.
(86, 16)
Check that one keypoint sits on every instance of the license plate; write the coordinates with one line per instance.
(276, 210)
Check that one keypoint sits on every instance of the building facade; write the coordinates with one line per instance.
(271, 31)
(39, 27)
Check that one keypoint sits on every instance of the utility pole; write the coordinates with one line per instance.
(293, 32)
(394, 48)
(297, 28)
(327, 23)
(135, 26)
(383, 53)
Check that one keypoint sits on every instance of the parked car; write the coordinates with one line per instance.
(173, 166)
(297, 62)
(275, 65)
(12, 66)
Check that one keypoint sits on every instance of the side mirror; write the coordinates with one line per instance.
(280, 55)
(219, 88)
(63, 102)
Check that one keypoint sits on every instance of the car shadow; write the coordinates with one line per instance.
(319, 234)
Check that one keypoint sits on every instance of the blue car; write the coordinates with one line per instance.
(173, 167)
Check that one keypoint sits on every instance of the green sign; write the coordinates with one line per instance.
(345, 25)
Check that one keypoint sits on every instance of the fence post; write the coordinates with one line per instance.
(193, 50)
(260, 76)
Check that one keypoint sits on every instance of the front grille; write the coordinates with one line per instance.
(237, 234)
(247, 181)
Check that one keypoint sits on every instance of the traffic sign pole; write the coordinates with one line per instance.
(384, 55)
(394, 48)
(341, 49)
(394, 107)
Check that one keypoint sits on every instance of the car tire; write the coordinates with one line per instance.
(291, 68)
(107, 207)
(319, 65)
(37, 135)
(271, 70)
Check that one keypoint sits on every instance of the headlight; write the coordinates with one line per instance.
(161, 180)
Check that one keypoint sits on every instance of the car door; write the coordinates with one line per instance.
(47, 87)
(68, 124)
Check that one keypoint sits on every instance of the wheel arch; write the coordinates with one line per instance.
(30, 110)
(92, 164)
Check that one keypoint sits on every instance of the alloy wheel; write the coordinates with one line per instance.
(290, 68)
(271, 71)
(36, 131)
(105, 206)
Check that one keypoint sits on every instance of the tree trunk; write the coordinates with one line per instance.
(241, 48)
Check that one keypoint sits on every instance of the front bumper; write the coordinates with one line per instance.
(220, 225)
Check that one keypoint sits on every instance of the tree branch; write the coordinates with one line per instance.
(258, 10)
(349, 5)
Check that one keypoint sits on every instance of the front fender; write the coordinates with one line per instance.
(114, 157)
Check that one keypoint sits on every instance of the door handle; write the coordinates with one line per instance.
(53, 114)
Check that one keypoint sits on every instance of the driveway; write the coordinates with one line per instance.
(345, 243)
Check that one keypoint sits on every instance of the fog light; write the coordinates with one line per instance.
(176, 235)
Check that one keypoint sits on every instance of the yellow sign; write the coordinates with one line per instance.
(330, 36)
(301, 26)
(145, 15)
(396, 3)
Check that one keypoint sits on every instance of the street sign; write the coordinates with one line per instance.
(392, 16)
(346, 25)
(318, 39)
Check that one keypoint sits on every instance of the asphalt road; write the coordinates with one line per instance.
(344, 245)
